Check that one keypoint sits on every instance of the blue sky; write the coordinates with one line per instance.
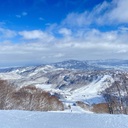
(44, 31)
(37, 14)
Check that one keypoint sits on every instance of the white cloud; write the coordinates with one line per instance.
(36, 34)
(114, 12)
(76, 19)
(122, 51)
(65, 32)
(78, 40)
(119, 13)
(91, 44)
(122, 28)
(7, 33)
(86, 17)
(58, 55)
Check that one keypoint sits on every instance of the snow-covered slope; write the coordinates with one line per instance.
(75, 64)
(92, 92)
(70, 86)
(25, 119)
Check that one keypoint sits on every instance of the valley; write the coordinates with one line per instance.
(78, 89)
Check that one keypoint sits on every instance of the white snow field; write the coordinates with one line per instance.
(27, 119)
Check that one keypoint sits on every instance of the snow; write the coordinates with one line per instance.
(44, 86)
(91, 92)
(27, 119)
(9, 75)
(77, 109)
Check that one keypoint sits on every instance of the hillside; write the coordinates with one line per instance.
(98, 91)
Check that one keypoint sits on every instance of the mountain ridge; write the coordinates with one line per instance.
(80, 65)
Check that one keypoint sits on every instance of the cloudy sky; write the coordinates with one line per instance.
(44, 31)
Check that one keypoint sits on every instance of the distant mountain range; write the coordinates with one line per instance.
(83, 65)
(93, 64)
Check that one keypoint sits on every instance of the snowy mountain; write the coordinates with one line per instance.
(110, 64)
(93, 64)
(74, 83)
(75, 64)
(80, 65)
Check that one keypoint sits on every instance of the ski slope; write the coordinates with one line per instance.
(25, 119)
(91, 92)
